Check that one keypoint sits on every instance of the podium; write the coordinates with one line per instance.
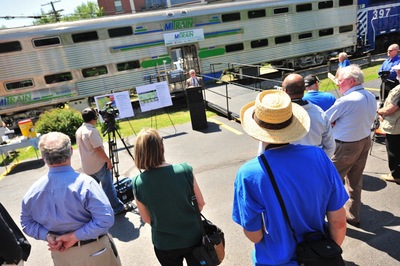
(197, 109)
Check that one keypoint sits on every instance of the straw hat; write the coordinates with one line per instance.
(270, 118)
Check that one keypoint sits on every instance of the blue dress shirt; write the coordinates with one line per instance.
(388, 64)
(66, 201)
(353, 114)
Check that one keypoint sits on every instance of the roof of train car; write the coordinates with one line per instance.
(142, 17)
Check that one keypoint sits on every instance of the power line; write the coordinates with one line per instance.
(13, 17)
(55, 12)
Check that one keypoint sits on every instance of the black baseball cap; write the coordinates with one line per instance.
(310, 80)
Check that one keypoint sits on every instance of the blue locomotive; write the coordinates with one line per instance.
(378, 24)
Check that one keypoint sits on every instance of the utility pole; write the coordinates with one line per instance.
(55, 12)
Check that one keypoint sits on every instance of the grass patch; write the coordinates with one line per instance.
(370, 73)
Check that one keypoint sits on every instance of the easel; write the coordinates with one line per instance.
(154, 109)
(155, 119)
(334, 80)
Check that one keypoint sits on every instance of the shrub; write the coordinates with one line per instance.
(65, 120)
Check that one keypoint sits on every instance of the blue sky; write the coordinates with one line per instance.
(33, 7)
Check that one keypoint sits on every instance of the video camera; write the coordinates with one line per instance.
(108, 113)
(384, 75)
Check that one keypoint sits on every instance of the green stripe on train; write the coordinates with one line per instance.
(155, 62)
(211, 53)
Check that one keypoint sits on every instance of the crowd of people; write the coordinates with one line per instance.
(74, 211)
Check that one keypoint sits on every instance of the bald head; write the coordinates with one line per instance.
(294, 86)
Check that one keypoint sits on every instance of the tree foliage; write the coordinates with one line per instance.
(84, 11)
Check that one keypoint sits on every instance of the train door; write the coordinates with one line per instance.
(185, 58)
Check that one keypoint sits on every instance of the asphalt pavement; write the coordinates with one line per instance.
(216, 153)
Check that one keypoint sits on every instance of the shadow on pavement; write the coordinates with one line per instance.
(27, 165)
(371, 183)
(376, 231)
(124, 230)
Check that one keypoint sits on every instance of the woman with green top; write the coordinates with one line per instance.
(163, 194)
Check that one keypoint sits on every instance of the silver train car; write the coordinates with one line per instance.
(51, 64)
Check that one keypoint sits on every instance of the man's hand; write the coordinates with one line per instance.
(68, 240)
(53, 244)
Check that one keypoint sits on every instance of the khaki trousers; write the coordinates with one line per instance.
(350, 159)
(97, 253)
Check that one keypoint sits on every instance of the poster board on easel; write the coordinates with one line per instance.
(154, 96)
(119, 101)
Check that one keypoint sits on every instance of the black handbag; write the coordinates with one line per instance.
(212, 249)
(316, 249)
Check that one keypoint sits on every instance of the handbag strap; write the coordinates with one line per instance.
(188, 173)
(278, 195)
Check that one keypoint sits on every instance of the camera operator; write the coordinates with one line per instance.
(94, 159)
(387, 75)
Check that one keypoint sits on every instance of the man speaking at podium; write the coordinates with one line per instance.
(193, 81)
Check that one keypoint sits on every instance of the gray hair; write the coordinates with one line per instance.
(55, 148)
(352, 71)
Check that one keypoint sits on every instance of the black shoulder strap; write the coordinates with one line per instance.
(278, 195)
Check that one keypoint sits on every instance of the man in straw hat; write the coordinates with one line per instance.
(309, 183)
(352, 116)
(390, 124)
(320, 133)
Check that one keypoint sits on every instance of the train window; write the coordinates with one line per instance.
(128, 65)
(7, 47)
(46, 41)
(27, 83)
(305, 35)
(259, 43)
(326, 32)
(85, 36)
(256, 13)
(230, 17)
(345, 28)
(119, 32)
(56, 78)
(283, 39)
(325, 4)
(94, 71)
(304, 7)
(345, 2)
(234, 47)
(281, 10)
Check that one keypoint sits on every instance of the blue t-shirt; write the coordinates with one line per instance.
(323, 99)
(310, 186)
(345, 63)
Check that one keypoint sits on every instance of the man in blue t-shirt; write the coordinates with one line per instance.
(313, 95)
(308, 181)
(386, 72)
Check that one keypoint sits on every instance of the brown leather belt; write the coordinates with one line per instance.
(84, 242)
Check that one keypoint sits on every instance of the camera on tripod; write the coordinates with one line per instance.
(384, 75)
(108, 113)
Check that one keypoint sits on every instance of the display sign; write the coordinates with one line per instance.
(154, 96)
(118, 103)
(185, 36)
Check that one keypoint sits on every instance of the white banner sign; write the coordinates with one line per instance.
(185, 36)
(154, 96)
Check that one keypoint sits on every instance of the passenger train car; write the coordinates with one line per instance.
(46, 65)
